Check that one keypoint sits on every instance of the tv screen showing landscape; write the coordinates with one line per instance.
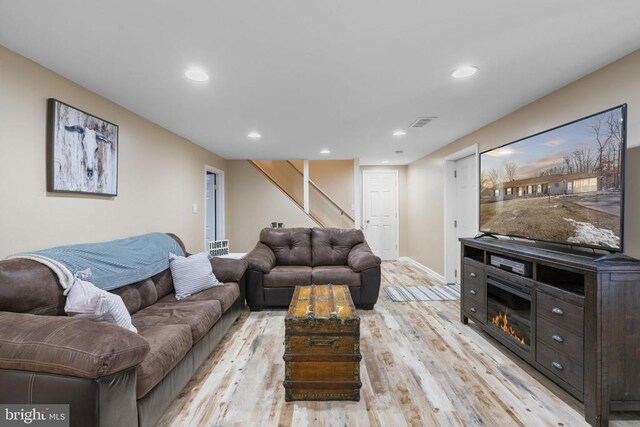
(564, 185)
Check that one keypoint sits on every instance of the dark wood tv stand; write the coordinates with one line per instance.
(583, 329)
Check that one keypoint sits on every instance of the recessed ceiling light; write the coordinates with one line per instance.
(385, 162)
(466, 71)
(254, 135)
(399, 132)
(325, 151)
(196, 75)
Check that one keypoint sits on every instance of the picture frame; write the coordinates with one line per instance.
(82, 151)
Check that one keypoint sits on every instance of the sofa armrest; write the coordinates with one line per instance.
(228, 269)
(261, 258)
(67, 345)
(361, 258)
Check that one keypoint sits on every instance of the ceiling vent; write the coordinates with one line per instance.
(421, 122)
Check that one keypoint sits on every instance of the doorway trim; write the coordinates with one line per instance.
(450, 205)
(219, 203)
(397, 202)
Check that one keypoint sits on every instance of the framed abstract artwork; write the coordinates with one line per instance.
(82, 151)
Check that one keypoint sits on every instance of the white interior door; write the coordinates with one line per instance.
(466, 205)
(460, 206)
(381, 213)
(466, 194)
(210, 207)
(214, 206)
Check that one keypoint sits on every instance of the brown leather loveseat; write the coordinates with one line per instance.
(289, 257)
(109, 375)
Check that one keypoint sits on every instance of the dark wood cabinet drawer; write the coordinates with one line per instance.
(475, 291)
(560, 339)
(562, 313)
(560, 365)
(473, 274)
(476, 308)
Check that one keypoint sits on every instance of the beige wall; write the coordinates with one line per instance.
(632, 203)
(612, 85)
(334, 177)
(160, 175)
(254, 202)
(403, 219)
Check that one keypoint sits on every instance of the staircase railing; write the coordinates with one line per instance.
(322, 208)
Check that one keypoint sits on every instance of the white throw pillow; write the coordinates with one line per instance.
(192, 274)
(85, 300)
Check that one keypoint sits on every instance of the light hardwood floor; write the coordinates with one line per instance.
(421, 367)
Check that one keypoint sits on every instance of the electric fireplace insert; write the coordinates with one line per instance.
(509, 311)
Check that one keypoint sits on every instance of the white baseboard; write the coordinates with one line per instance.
(430, 272)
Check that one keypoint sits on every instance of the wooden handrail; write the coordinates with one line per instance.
(342, 211)
(255, 165)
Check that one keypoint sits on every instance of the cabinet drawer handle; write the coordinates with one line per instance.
(556, 310)
(557, 338)
(557, 365)
(472, 292)
(320, 343)
(473, 309)
(473, 275)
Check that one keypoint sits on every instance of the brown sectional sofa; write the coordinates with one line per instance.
(108, 375)
(289, 257)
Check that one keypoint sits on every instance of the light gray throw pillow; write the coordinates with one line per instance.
(191, 274)
(88, 301)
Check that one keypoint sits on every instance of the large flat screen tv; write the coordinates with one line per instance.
(564, 185)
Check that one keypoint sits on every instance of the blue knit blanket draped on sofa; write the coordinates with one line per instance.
(119, 262)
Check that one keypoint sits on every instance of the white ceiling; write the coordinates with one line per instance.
(309, 75)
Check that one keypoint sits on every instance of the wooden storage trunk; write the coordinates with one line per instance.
(322, 345)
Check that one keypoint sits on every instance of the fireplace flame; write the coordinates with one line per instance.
(502, 322)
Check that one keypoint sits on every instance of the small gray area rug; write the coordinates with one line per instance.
(423, 293)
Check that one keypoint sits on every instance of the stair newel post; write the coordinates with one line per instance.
(305, 184)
